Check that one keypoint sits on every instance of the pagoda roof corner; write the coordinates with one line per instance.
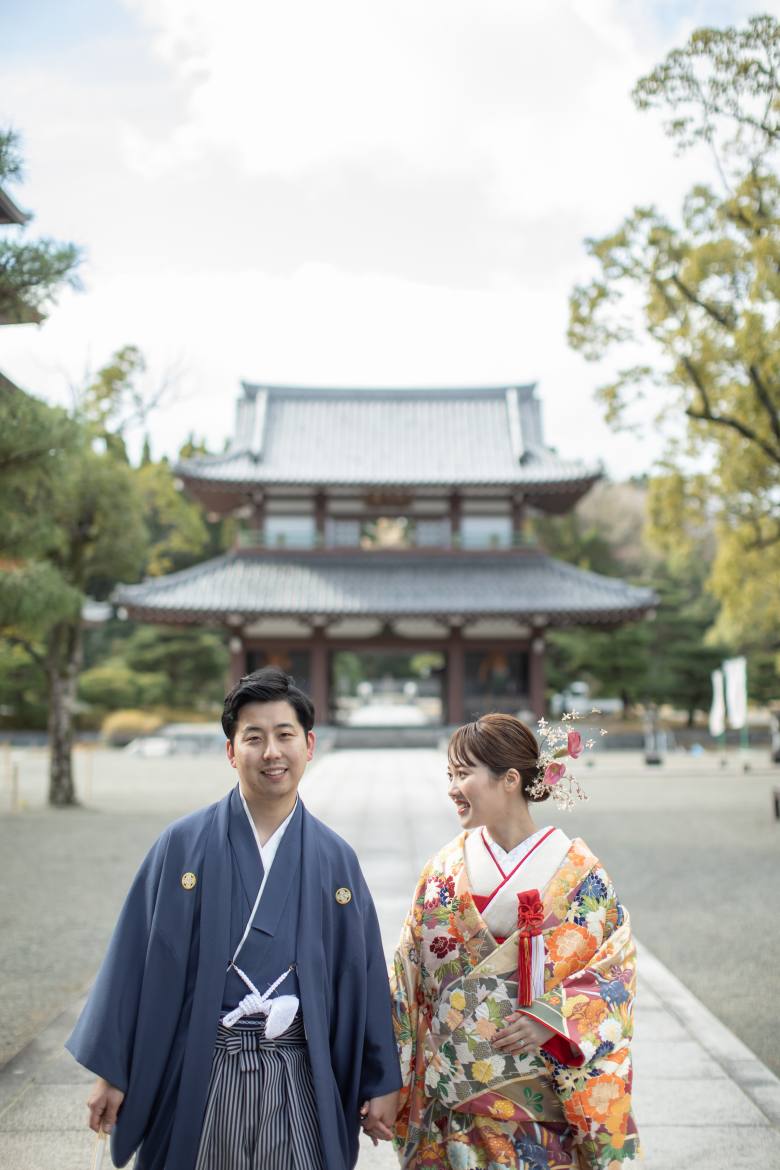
(10, 212)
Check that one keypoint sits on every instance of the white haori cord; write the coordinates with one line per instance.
(279, 1012)
(537, 966)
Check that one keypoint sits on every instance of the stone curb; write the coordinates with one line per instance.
(22, 1069)
(739, 1063)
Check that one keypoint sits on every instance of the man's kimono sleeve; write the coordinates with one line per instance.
(379, 1073)
(104, 1035)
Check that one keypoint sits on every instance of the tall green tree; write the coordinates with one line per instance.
(697, 302)
(75, 527)
(85, 533)
(32, 272)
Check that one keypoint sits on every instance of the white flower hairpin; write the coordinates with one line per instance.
(559, 742)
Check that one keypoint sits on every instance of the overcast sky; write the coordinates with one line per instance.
(343, 193)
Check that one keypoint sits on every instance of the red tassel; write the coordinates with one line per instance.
(524, 989)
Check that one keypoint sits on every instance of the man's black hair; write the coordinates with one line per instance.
(267, 685)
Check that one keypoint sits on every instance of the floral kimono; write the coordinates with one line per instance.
(455, 980)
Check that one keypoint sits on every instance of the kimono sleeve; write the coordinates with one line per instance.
(406, 990)
(589, 1005)
(379, 1071)
(103, 1037)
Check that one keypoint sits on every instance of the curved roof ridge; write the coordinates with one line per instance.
(297, 391)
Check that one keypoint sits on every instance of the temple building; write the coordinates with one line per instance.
(390, 521)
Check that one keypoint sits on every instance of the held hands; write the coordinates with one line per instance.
(522, 1035)
(377, 1117)
(104, 1103)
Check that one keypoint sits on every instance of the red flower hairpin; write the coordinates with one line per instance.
(559, 742)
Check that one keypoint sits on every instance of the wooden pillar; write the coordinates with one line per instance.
(320, 518)
(518, 521)
(456, 676)
(258, 520)
(237, 660)
(536, 673)
(320, 676)
(455, 515)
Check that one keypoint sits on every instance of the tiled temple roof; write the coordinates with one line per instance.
(479, 436)
(521, 585)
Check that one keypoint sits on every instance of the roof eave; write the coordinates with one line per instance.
(9, 212)
(551, 486)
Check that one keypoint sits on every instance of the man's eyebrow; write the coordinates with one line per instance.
(276, 727)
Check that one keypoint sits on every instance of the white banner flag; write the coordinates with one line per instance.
(735, 675)
(718, 708)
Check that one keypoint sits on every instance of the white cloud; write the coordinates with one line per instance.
(343, 193)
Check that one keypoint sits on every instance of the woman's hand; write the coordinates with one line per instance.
(378, 1115)
(522, 1035)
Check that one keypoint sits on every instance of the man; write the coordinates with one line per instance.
(197, 1069)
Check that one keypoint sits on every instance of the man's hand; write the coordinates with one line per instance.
(523, 1035)
(104, 1103)
(377, 1117)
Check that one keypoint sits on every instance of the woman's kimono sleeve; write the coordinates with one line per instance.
(103, 1038)
(589, 1005)
(406, 990)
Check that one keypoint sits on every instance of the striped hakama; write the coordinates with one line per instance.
(261, 1111)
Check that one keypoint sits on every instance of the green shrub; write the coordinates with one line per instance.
(119, 728)
(113, 685)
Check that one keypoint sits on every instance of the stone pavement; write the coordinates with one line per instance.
(703, 1099)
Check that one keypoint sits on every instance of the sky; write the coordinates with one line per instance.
(340, 194)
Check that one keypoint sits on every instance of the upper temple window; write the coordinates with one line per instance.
(290, 531)
(486, 532)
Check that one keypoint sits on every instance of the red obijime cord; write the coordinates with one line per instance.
(530, 917)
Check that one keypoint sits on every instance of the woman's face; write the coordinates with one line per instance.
(479, 797)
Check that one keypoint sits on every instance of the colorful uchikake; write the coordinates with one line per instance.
(558, 741)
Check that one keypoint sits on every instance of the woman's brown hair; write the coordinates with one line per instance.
(500, 742)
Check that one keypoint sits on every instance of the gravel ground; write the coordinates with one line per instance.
(693, 849)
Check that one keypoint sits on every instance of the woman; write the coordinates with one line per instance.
(514, 978)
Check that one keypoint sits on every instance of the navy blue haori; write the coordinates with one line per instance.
(151, 1020)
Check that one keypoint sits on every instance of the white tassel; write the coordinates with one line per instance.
(537, 965)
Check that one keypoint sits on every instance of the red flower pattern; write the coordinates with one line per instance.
(442, 946)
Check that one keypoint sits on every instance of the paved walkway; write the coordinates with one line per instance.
(703, 1099)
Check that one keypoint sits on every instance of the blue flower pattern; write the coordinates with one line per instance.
(533, 1156)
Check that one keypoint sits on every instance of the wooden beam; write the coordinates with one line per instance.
(518, 521)
(456, 510)
(456, 676)
(237, 667)
(536, 673)
(319, 677)
(320, 518)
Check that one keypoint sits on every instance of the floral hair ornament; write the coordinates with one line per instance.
(558, 743)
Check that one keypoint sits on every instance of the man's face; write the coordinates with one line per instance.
(270, 750)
